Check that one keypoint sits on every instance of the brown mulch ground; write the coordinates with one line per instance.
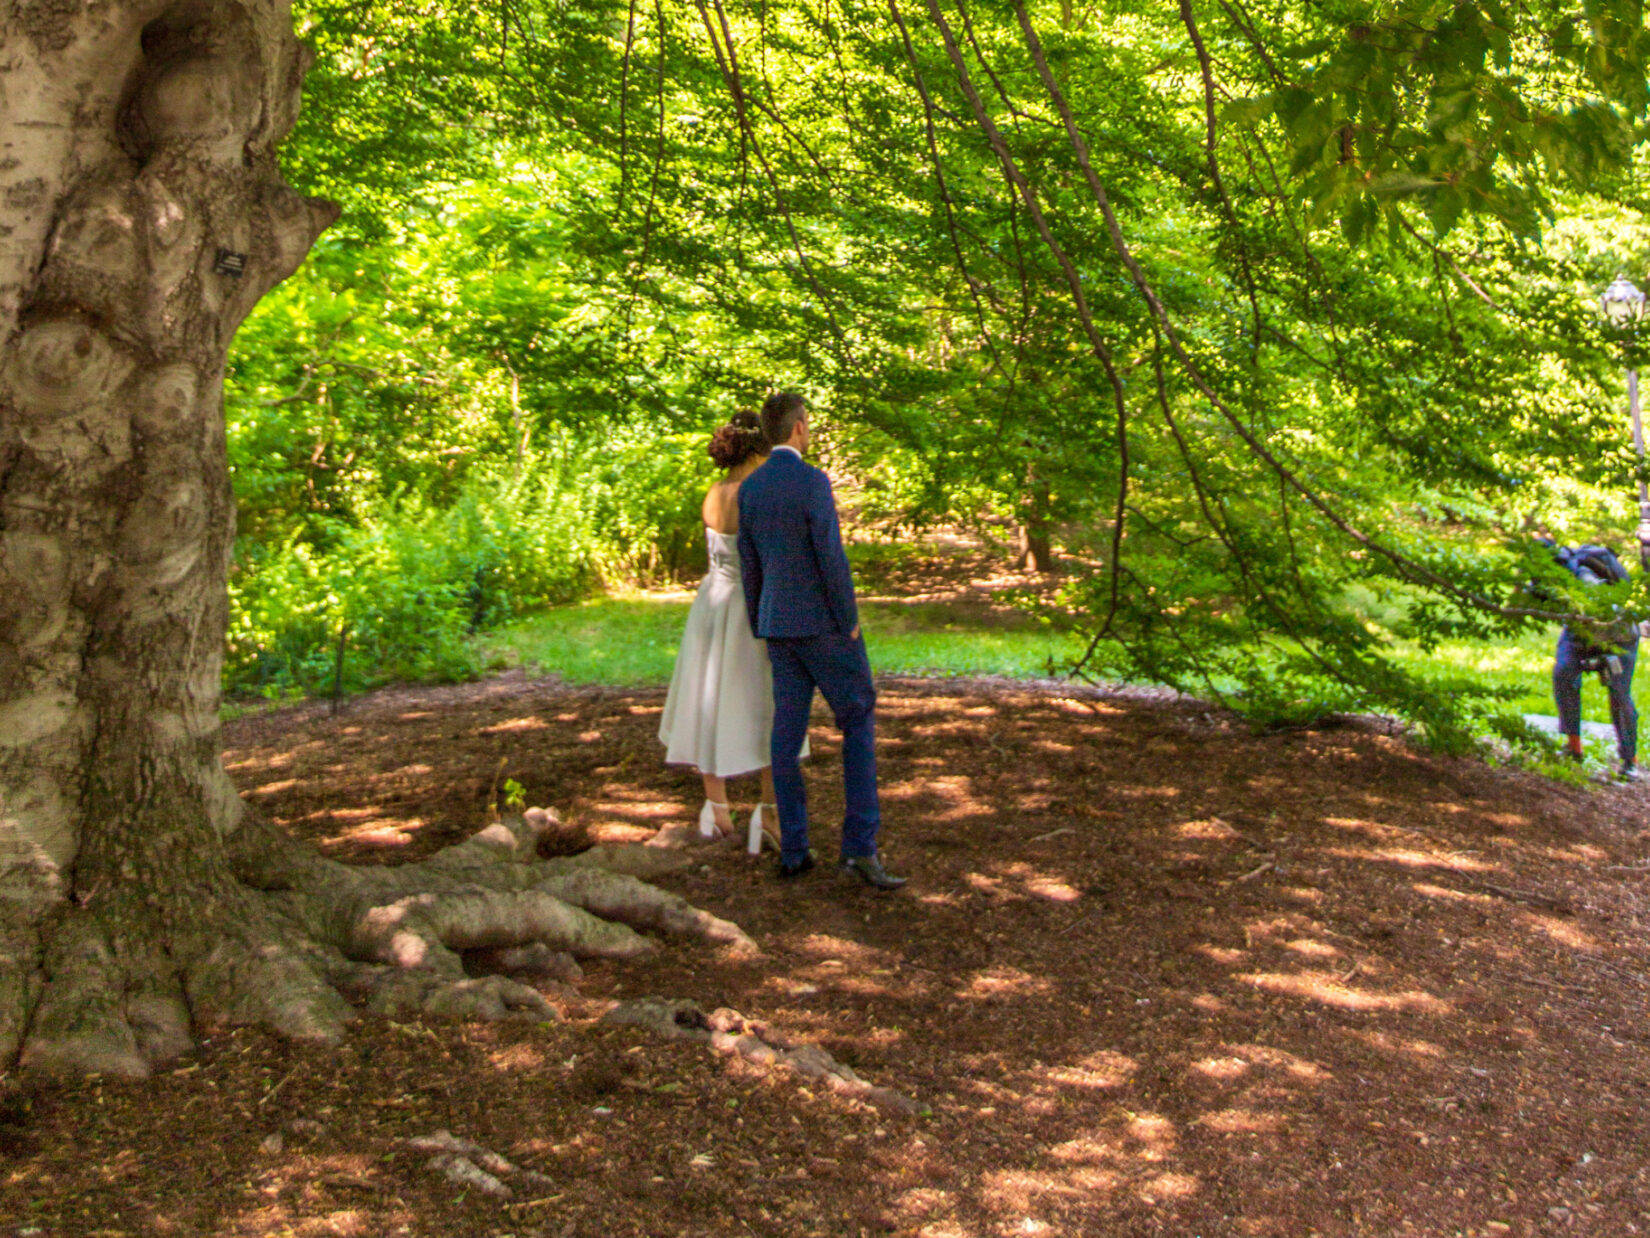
(1154, 974)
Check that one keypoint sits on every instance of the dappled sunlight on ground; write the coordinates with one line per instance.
(1154, 974)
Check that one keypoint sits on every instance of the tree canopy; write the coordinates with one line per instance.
(1277, 313)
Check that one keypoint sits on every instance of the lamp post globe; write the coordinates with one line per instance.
(1622, 303)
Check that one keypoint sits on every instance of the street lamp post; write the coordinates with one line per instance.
(1623, 306)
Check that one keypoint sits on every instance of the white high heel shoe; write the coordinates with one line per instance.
(708, 829)
(757, 830)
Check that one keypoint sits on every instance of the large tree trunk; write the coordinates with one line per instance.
(142, 215)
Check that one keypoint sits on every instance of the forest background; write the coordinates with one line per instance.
(1288, 339)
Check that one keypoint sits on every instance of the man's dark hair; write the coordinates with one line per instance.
(780, 413)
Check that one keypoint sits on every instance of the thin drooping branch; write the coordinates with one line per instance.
(1438, 251)
(1211, 138)
(648, 215)
(727, 60)
(1407, 566)
(1028, 196)
(939, 181)
(624, 102)
(1222, 527)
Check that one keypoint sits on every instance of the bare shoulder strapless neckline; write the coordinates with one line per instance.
(718, 714)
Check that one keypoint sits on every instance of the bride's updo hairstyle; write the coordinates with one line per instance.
(738, 441)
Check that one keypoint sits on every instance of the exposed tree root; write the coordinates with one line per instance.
(299, 943)
(728, 1031)
(468, 1164)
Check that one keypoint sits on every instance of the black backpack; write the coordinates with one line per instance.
(1592, 565)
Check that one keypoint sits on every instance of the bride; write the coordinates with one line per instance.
(719, 712)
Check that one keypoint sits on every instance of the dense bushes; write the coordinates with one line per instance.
(409, 581)
(424, 446)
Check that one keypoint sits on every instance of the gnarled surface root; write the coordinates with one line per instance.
(297, 943)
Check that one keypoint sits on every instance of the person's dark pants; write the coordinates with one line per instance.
(1567, 673)
(838, 667)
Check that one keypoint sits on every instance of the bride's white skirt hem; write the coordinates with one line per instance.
(718, 715)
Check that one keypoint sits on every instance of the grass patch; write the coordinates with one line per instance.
(1525, 666)
(632, 640)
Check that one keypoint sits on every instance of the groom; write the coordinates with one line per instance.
(801, 600)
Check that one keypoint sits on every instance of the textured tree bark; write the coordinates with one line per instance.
(142, 216)
(1032, 550)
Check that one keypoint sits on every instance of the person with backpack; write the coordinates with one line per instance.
(1610, 651)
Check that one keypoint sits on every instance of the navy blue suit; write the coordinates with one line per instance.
(800, 595)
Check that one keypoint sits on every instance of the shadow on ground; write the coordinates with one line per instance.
(1154, 973)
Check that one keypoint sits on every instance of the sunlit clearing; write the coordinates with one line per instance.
(1410, 859)
(1042, 884)
(1580, 853)
(1168, 1186)
(836, 949)
(377, 834)
(641, 802)
(1302, 894)
(1327, 988)
(515, 724)
(920, 1201)
(1444, 892)
(1357, 825)
(1243, 1122)
(1221, 954)
(1086, 1151)
(1313, 949)
(1105, 1069)
(369, 814)
(999, 981)
(1058, 891)
(1153, 1130)
(1017, 1190)
(1561, 931)
(956, 790)
(1138, 791)
(1073, 706)
(1211, 829)
(1397, 1044)
(517, 1057)
(620, 832)
(987, 885)
(1281, 1059)
(1224, 1069)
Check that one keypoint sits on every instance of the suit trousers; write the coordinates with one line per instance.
(838, 667)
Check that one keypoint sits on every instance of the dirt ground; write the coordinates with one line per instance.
(1154, 973)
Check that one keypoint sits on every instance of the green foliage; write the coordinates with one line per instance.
(515, 795)
(1254, 308)
(406, 582)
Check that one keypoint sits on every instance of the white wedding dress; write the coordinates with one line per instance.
(719, 711)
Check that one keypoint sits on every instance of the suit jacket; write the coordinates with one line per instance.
(796, 576)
